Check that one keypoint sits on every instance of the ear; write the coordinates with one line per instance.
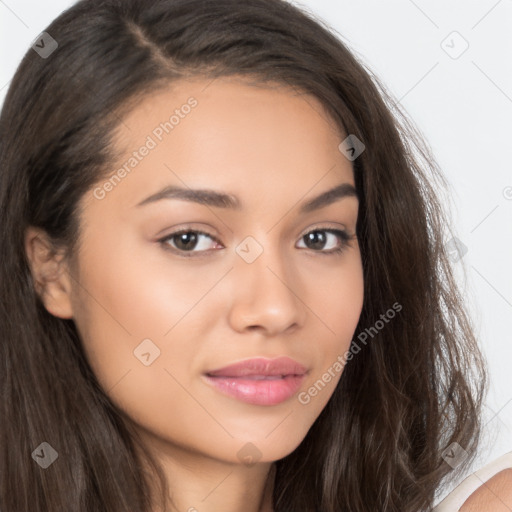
(49, 272)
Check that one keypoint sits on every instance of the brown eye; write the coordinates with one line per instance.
(317, 239)
(186, 240)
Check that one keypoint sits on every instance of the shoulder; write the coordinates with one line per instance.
(487, 490)
(495, 495)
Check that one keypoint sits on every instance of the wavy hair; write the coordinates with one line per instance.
(408, 394)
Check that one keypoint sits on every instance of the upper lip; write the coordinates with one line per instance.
(280, 366)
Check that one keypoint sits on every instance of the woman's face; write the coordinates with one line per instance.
(156, 312)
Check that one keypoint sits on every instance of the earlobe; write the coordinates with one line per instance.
(49, 273)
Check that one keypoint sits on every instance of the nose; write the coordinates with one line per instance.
(266, 295)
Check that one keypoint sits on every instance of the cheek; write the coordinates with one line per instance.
(337, 306)
(122, 302)
(343, 300)
(336, 297)
(136, 307)
(136, 344)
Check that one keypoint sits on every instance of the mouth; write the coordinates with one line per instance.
(252, 377)
(260, 367)
(259, 381)
(257, 389)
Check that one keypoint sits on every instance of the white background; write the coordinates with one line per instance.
(462, 105)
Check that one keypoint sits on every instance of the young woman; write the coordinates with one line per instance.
(224, 283)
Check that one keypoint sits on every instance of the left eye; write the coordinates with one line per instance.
(314, 238)
(186, 240)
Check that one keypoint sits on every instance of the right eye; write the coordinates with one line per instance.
(185, 240)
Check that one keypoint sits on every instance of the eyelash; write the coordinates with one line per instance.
(341, 234)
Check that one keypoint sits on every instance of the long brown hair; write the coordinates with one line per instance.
(410, 392)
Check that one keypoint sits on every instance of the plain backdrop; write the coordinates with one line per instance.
(450, 66)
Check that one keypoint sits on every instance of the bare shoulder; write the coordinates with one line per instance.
(495, 495)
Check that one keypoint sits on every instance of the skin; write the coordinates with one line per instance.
(494, 495)
(274, 149)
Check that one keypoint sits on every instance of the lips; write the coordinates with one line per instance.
(261, 368)
(259, 381)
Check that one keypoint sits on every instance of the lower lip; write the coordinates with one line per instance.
(258, 392)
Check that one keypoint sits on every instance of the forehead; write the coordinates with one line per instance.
(228, 106)
(226, 132)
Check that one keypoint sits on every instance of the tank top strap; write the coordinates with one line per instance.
(456, 498)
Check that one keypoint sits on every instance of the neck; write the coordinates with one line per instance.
(200, 484)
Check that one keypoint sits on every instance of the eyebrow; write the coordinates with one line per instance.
(222, 200)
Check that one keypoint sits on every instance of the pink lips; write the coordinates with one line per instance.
(259, 381)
